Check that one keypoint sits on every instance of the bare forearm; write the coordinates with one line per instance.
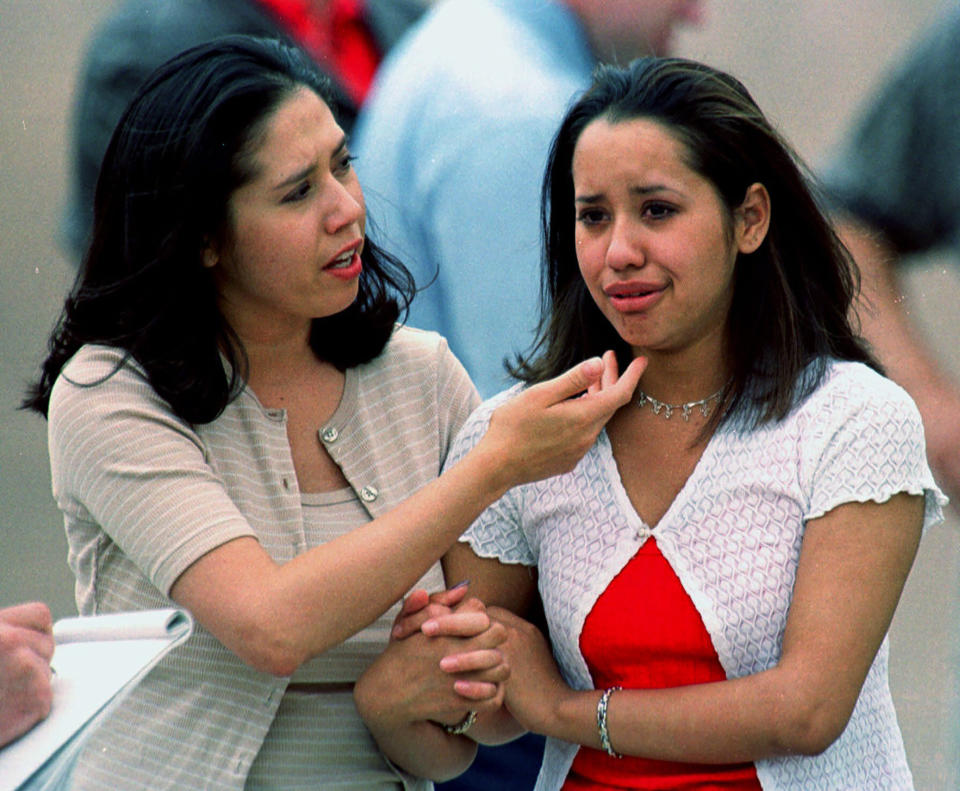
(277, 616)
(379, 562)
(726, 722)
(729, 721)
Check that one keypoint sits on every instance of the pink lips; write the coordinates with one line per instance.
(346, 265)
(633, 297)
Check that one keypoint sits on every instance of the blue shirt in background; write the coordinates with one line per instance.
(452, 146)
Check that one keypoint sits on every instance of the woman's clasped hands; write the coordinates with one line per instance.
(529, 686)
(467, 641)
(441, 669)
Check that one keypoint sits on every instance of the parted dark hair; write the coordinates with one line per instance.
(179, 151)
(792, 296)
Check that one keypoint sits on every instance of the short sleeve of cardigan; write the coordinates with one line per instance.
(498, 531)
(120, 458)
(869, 444)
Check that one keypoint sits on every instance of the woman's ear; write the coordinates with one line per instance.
(210, 255)
(752, 218)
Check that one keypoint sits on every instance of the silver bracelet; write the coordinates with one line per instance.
(602, 722)
(463, 726)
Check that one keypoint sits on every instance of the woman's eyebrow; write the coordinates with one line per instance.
(311, 168)
(639, 190)
(297, 177)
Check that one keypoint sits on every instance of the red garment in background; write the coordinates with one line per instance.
(644, 632)
(338, 38)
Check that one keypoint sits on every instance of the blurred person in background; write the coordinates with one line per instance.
(347, 38)
(896, 189)
(452, 145)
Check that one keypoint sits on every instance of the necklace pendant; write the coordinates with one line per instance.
(685, 410)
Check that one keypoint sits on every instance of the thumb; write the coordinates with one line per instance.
(572, 382)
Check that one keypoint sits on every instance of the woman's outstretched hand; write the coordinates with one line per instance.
(547, 428)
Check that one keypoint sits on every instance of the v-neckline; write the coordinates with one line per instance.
(643, 529)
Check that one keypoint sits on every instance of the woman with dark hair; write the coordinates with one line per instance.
(237, 424)
(719, 572)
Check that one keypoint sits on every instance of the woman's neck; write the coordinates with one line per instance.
(273, 352)
(272, 359)
(683, 378)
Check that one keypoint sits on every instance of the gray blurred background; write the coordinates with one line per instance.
(809, 64)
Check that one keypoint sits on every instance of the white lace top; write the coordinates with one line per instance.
(733, 536)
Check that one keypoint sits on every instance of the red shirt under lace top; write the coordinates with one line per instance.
(645, 633)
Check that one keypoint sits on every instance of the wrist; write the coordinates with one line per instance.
(489, 470)
(573, 714)
(603, 728)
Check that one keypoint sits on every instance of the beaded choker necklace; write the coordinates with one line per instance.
(684, 409)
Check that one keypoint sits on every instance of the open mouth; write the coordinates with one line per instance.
(346, 264)
(341, 262)
(345, 259)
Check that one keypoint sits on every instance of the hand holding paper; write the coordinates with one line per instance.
(97, 661)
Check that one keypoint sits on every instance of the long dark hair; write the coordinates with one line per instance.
(791, 301)
(177, 154)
